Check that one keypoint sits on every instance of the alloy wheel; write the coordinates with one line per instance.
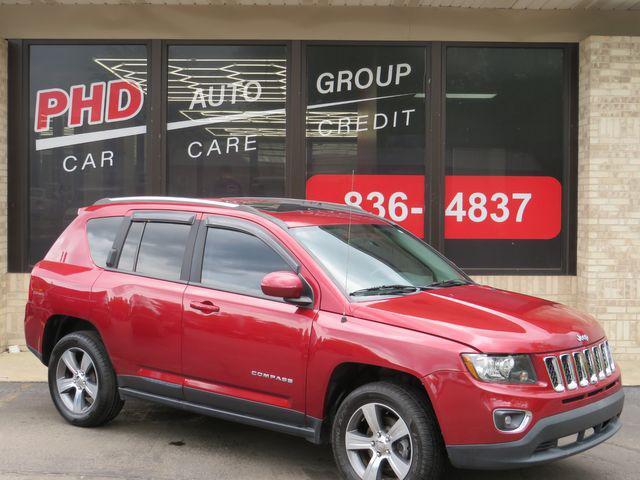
(77, 380)
(378, 443)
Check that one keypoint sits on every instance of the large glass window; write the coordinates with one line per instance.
(86, 132)
(365, 132)
(226, 120)
(472, 146)
(506, 156)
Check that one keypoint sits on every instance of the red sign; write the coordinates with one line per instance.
(502, 207)
(399, 198)
(102, 102)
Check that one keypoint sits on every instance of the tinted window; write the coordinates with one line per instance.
(237, 261)
(506, 151)
(78, 155)
(101, 232)
(226, 120)
(366, 109)
(130, 247)
(365, 129)
(162, 250)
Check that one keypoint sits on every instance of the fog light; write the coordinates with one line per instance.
(512, 421)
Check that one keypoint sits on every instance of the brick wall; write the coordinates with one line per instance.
(561, 289)
(15, 297)
(13, 287)
(609, 192)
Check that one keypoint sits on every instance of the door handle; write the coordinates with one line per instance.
(205, 306)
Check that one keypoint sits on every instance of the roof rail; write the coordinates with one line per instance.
(196, 201)
(256, 202)
(247, 204)
(159, 199)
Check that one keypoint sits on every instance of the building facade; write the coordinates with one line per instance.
(505, 133)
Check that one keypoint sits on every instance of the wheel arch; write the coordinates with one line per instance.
(57, 326)
(348, 376)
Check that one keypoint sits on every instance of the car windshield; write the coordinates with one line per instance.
(382, 259)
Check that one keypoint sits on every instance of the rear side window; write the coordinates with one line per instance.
(236, 261)
(162, 250)
(101, 233)
(155, 249)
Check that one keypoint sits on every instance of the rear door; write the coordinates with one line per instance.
(241, 346)
(139, 296)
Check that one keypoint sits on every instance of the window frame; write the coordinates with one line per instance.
(177, 217)
(295, 141)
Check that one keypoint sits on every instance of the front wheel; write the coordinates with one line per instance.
(82, 382)
(384, 430)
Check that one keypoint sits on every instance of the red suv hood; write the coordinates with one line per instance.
(490, 320)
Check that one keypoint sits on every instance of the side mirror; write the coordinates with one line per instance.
(286, 285)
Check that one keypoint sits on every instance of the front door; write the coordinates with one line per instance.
(242, 350)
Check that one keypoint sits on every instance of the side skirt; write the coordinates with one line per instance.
(310, 433)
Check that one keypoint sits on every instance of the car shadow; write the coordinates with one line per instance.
(199, 435)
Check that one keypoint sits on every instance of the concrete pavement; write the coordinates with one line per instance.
(21, 367)
(157, 443)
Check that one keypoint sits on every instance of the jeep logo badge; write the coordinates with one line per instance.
(583, 338)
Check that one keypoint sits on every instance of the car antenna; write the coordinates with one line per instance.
(346, 270)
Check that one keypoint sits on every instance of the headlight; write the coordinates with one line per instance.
(500, 368)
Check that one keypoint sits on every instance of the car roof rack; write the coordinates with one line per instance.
(280, 205)
(160, 199)
(263, 207)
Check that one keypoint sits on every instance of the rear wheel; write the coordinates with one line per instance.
(82, 382)
(385, 431)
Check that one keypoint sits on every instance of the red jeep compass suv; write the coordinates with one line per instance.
(318, 320)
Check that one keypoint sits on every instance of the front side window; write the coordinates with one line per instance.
(101, 233)
(365, 256)
(87, 124)
(237, 261)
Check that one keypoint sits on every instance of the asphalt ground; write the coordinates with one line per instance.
(157, 443)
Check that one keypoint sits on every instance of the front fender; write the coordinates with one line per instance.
(335, 342)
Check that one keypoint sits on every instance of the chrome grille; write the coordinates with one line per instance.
(597, 355)
(554, 373)
(567, 369)
(571, 370)
(591, 366)
(607, 348)
(581, 368)
(605, 361)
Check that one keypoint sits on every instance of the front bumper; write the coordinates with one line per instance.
(539, 445)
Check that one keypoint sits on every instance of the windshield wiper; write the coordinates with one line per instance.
(384, 290)
(446, 283)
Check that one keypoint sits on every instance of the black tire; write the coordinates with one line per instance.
(427, 457)
(107, 403)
